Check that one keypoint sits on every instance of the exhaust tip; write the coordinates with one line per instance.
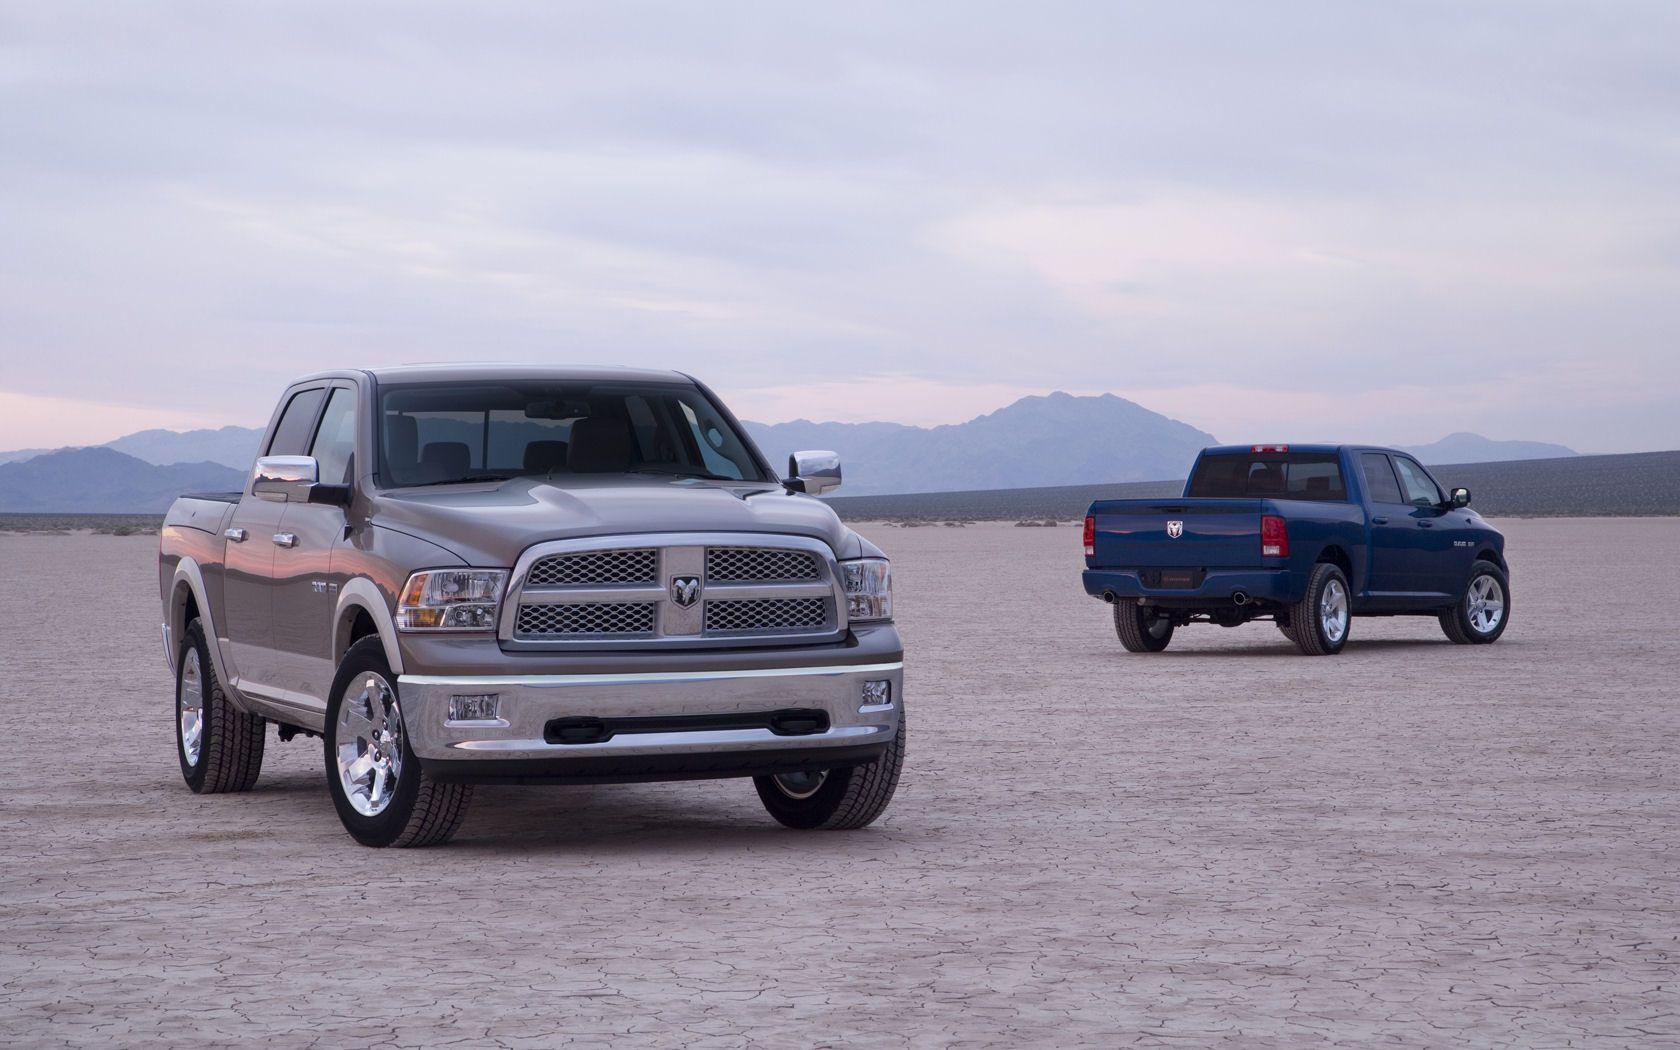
(1241, 597)
(1108, 596)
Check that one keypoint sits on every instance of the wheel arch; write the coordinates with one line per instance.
(362, 612)
(186, 600)
(1335, 554)
(1489, 554)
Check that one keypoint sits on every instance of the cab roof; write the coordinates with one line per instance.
(1293, 446)
(465, 372)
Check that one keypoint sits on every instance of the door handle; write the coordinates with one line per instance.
(236, 535)
(1379, 521)
(1426, 524)
(285, 539)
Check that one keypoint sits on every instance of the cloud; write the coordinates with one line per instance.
(52, 422)
(1302, 204)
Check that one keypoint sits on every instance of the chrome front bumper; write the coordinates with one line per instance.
(528, 703)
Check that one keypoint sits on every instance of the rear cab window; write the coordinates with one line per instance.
(1269, 475)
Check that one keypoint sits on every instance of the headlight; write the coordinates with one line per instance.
(451, 600)
(868, 589)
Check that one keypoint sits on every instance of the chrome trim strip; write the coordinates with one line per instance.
(544, 681)
(748, 591)
(549, 594)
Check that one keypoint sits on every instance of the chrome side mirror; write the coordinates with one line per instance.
(1460, 497)
(285, 479)
(813, 472)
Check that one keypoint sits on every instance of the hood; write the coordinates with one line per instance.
(489, 525)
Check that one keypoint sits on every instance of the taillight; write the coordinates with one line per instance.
(1090, 537)
(1274, 537)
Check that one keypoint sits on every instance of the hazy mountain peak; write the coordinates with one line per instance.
(1465, 447)
(230, 446)
(98, 479)
(1041, 439)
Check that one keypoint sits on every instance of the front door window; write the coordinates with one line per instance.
(1421, 490)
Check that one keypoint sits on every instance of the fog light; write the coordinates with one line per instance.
(877, 692)
(473, 707)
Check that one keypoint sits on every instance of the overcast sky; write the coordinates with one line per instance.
(1275, 221)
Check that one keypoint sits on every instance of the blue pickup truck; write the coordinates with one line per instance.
(1306, 536)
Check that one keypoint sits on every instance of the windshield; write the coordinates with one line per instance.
(1275, 475)
(437, 434)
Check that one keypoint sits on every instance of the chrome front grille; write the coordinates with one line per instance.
(642, 591)
(617, 619)
(594, 568)
(759, 564)
(765, 614)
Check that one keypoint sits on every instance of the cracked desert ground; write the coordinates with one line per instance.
(1227, 844)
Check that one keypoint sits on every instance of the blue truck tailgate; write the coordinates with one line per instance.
(1186, 533)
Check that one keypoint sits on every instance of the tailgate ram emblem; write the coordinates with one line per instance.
(684, 590)
(1175, 529)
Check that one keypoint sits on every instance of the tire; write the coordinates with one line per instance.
(1139, 631)
(836, 799)
(220, 747)
(1319, 624)
(381, 793)
(1481, 614)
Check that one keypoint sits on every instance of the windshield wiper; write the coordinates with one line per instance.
(470, 478)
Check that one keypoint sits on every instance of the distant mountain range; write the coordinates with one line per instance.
(234, 447)
(1463, 447)
(1056, 439)
(102, 480)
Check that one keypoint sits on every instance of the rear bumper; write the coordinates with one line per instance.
(1217, 587)
(517, 745)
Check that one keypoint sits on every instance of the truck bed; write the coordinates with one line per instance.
(205, 511)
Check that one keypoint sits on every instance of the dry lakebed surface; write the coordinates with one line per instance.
(1226, 844)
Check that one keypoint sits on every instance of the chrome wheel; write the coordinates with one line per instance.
(1485, 604)
(189, 706)
(1333, 611)
(800, 785)
(368, 743)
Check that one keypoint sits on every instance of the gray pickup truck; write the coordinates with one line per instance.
(458, 574)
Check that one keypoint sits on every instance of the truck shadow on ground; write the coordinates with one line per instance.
(641, 819)
(1263, 649)
(605, 819)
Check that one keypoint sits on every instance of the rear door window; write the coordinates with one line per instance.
(297, 423)
(1269, 475)
(1380, 485)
